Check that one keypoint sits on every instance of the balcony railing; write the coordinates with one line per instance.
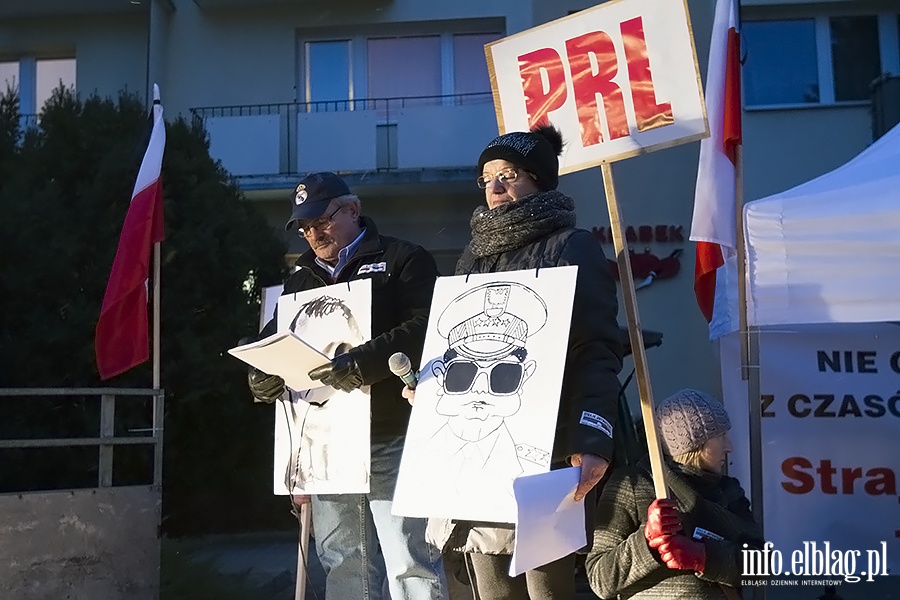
(371, 134)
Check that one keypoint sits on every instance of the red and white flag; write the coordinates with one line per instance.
(122, 339)
(714, 224)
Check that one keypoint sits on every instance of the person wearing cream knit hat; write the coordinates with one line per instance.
(688, 545)
(693, 426)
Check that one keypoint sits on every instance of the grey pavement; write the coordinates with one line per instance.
(269, 561)
(266, 560)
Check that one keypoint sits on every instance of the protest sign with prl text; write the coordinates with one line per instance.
(618, 80)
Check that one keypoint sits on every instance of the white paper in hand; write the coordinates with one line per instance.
(286, 355)
(549, 523)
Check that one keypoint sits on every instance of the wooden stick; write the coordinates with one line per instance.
(303, 551)
(638, 352)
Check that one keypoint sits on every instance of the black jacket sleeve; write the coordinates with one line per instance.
(591, 385)
(409, 301)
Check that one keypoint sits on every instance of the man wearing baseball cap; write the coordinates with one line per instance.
(345, 246)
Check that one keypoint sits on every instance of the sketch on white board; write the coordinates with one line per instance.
(486, 403)
(322, 434)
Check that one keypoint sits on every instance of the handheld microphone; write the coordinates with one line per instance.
(400, 366)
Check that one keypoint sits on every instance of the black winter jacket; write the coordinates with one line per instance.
(594, 359)
(590, 382)
(401, 299)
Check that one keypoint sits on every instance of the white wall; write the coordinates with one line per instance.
(110, 51)
(229, 56)
(784, 148)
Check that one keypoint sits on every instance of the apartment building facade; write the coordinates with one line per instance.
(395, 95)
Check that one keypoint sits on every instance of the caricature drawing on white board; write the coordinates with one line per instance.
(487, 398)
(480, 382)
(327, 324)
(324, 432)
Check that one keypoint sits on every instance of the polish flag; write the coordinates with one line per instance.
(122, 339)
(714, 224)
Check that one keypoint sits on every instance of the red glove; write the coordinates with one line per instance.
(663, 518)
(681, 552)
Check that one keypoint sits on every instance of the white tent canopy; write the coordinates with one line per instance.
(826, 251)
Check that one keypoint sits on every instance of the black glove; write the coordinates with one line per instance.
(342, 373)
(265, 388)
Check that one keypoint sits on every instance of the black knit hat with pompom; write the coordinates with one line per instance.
(536, 151)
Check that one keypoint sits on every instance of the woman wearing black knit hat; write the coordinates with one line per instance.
(528, 224)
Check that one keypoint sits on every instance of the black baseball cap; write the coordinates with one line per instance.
(312, 195)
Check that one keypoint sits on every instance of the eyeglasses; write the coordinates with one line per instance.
(506, 175)
(504, 378)
(320, 223)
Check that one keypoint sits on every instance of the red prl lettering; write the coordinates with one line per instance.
(648, 113)
(587, 83)
(540, 99)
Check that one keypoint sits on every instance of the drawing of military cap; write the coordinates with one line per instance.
(492, 320)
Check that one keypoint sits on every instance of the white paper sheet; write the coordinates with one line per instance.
(549, 523)
(283, 354)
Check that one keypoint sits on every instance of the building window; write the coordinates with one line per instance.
(329, 76)
(434, 65)
(51, 74)
(470, 74)
(35, 80)
(404, 67)
(9, 76)
(819, 60)
(855, 56)
(781, 62)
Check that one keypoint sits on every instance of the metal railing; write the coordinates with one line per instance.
(66, 538)
(107, 440)
(386, 105)
(382, 114)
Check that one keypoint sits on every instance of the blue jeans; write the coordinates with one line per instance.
(350, 529)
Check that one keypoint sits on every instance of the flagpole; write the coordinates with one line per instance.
(741, 262)
(749, 337)
(156, 288)
(156, 297)
(749, 340)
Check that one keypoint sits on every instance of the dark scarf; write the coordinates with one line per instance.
(517, 224)
(725, 501)
(718, 489)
